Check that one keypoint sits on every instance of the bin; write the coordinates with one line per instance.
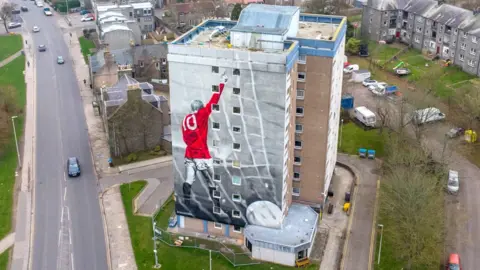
(347, 196)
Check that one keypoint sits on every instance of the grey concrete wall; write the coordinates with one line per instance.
(262, 122)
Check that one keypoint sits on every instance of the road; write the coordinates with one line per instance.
(68, 228)
(462, 212)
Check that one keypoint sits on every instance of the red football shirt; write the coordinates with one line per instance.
(195, 129)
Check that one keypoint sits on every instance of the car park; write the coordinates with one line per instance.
(36, 29)
(351, 68)
(73, 167)
(42, 48)
(368, 82)
(60, 60)
(12, 25)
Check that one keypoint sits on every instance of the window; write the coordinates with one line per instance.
(302, 59)
(215, 107)
(236, 129)
(236, 110)
(461, 57)
(296, 191)
(298, 144)
(131, 14)
(216, 125)
(385, 23)
(463, 46)
(215, 143)
(300, 94)
(453, 54)
(299, 111)
(429, 22)
(440, 40)
(218, 211)
(217, 161)
(237, 229)
(474, 39)
(236, 146)
(236, 91)
(417, 40)
(301, 76)
(298, 128)
(217, 225)
(471, 63)
(157, 65)
(473, 51)
(455, 31)
(214, 69)
(236, 163)
(297, 160)
(215, 89)
(236, 72)
(236, 197)
(236, 180)
(371, 19)
(216, 194)
(216, 177)
(141, 63)
(454, 43)
(296, 175)
(465, 34)
(235, 213)
(419, 29)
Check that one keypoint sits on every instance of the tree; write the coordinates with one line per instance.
(469, 102)
(350, 30)
(353, 46)
(6, 13)
(237, 9)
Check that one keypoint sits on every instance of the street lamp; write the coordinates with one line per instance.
(341, 129)
(381, 238)
(16, 140)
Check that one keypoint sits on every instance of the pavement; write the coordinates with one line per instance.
(7, 242)
(68, 229)
(357, 251)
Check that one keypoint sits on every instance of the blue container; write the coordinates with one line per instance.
(347, 102)
(362, 152)
(371, 154)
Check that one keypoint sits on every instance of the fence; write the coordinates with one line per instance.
(232, 253)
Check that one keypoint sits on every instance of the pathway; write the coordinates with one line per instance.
(10, 58)
(7, 242)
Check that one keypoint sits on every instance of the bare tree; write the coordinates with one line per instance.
(469, 102)
(8, 99)
(6, 13)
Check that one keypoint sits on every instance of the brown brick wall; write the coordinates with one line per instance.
(316, 104)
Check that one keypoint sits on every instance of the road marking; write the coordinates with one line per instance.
(68, 212)
(70, 236)
(59, 236)
(64, 177)
(71, 258)
(65, 194)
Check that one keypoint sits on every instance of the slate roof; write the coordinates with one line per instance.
(156, 51)
(258, 18)
(388, 4)
(121, 57)
(449, 15)
(420, 7)
(117, 94)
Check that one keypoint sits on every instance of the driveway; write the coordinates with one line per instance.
(463, 218)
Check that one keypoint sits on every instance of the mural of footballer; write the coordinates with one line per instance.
(197, 154)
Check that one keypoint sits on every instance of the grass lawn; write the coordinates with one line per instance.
(355, 137)
(4, 259)
(10, 44)
(86, 45)
(381, 53)
(171, 258)
(10, 75)
(355, 18)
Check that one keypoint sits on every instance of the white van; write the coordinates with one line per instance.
(351, 68)
(427, 115)
(360, 75)
(365, 116)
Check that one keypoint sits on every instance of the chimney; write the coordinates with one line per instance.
(134, 92)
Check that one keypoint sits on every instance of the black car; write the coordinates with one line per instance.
(42, 48)
(73, 167)
(24, 8)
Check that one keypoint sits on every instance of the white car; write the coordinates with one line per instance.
(368, 82)
(39, 4)
(87, 18)
(453, 184)
(377, 85)
(36, 29)
(351, 68)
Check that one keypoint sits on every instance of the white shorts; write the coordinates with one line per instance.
(192, 166)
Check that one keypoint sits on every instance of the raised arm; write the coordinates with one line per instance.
(216, 96)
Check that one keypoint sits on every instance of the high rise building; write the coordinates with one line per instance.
(255, 108)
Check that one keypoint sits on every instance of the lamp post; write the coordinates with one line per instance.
(341, 133)
(210, 258)
(16, 140)
(381, 238)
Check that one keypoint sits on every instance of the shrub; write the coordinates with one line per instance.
(157, 148)
(132, 157)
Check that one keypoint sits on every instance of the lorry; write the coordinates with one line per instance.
(427, 115)
(47, 11)
(365, 116)
(383, 90)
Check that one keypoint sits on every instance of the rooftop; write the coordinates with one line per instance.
(420, 7)
(115, 27)
(144, 5)
(449, 15)
(259, 18)
(310, 30)
(109, 14)
(121, 57)
(117, 94)
(297, 228)
(389, 4)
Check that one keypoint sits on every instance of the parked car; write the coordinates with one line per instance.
(73, 167)
(351, 68)
(84, 12)
(368, 82)
(39, 4)
(427, 115)
(455, 132)
(42, 48)
(47, 11)
(172, 222)
(24, 8)
(454, 262)
(402, 71)
(36, 29)
(12, 25)
(453, 184)
(377, 85)
(87, 18)
(60, 60)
